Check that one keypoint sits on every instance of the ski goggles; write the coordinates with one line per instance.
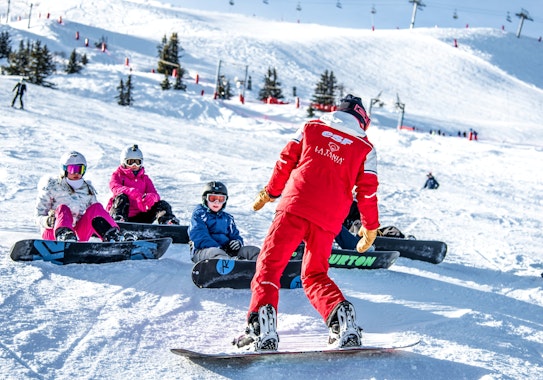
(75, 169)
(132, 162)
(221, 198)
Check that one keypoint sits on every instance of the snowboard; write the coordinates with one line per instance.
(432, 251)
(61, 252)
(177, 233)
(304, 347)
(237, 274)
(351, 259)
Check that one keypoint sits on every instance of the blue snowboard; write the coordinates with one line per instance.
(60, 252)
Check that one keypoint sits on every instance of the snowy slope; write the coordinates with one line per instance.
(479, 312)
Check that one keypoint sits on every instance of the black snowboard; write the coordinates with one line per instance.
(178, 233)
(60, 252)
(431, 251)
(237, 274)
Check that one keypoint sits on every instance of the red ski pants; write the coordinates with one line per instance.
(285, 234)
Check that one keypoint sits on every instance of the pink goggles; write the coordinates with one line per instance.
(75, 169)
(221, 198)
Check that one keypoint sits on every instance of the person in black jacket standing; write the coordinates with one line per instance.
(21, 89)
(431, 183)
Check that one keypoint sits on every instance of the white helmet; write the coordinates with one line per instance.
(131, 153)
(71, 158)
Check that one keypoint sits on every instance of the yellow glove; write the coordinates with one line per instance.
(261, 199)
(367, 237)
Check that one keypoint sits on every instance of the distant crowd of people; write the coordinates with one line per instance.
(471, 135)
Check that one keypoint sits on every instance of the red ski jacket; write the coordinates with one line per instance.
(318, 169)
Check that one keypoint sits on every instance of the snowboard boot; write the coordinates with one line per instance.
(65, 234)
(164, 214)
(173, 220)
(129, 236)
(119, 208)
(113, 235)
(260, 333)
(343, 329)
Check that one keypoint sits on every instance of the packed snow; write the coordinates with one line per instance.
(479, 313)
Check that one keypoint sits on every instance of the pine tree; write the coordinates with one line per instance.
(169, 52)
(128, 95)
(73, 66)
(84, 59)
(19, 60)
(41, 65)
(161, 67)
(121, 97)
(5, 44)
(325, 90)
(272, 87)
(124, 98)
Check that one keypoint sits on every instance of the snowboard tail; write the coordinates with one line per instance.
(432, 251)
(61, 252)
(305, 346)
(178, 234)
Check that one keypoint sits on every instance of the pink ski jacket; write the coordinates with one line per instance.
(135, 186)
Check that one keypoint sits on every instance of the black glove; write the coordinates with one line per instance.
(232, 247)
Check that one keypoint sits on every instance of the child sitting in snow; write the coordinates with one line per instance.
(213, 232)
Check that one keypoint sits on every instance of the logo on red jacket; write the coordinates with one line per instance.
(333, 147)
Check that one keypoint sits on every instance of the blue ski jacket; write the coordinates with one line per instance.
(208, 229)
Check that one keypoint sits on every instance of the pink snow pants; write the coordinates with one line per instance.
(83, 228)
(285, 234)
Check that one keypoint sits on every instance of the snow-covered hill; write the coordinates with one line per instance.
(478, 312)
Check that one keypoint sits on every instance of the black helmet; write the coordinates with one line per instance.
(353, 105)
(214, 187)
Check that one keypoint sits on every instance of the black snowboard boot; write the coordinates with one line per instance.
(164, 214)
(105, 230)
(119, 209)
(65, 234)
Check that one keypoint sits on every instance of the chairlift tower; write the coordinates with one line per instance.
(7, 13)
(377, 101)
(523, 15)
(400, 106)
(416, 5)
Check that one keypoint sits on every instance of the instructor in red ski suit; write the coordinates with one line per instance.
(315, 176)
